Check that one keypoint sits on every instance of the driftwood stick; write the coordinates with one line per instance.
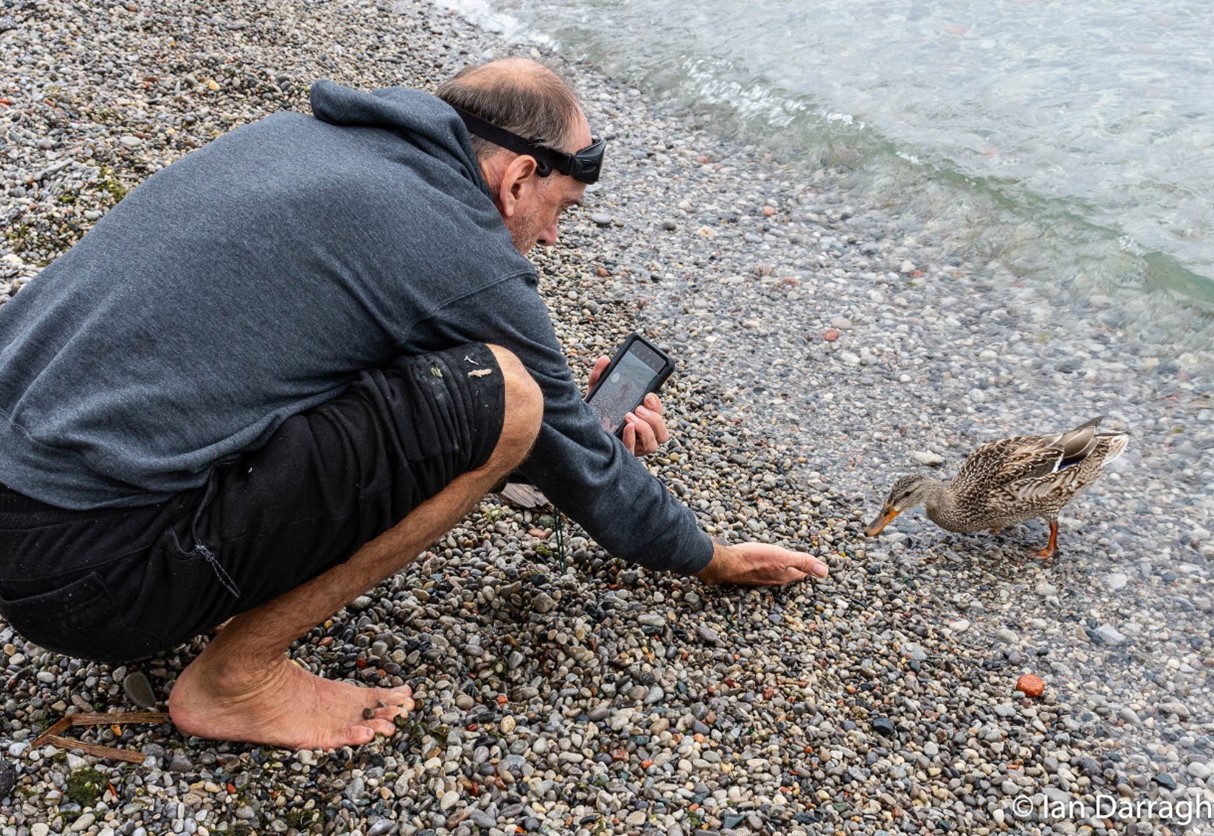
(53, 735)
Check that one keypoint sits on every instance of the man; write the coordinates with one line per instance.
(289, 362)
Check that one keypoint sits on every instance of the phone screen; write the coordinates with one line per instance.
(625, 385)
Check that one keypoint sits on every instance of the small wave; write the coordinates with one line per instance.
(711, 83)
(492, 18)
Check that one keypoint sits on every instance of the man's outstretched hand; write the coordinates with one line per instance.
(759, 564)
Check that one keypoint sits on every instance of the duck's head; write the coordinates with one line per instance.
(907, 492)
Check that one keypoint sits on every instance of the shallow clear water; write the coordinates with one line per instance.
(1069, 141)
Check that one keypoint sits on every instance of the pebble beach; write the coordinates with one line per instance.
(824, 347)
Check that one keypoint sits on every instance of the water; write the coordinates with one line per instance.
(1071, 142)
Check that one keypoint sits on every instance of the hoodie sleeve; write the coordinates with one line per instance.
(586, 472)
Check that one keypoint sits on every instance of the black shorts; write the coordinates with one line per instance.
(117, 585)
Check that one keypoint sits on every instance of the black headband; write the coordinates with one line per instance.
(584, 166)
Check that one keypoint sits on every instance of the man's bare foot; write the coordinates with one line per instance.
(282, 705)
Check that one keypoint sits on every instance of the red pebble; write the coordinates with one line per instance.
(1032, 686)
(831, 335)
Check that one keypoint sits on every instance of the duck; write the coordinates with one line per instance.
(1009, 481)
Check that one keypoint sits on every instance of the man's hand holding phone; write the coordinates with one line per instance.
(623, 394)
(644, 428)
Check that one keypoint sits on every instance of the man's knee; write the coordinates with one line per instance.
(524, 405)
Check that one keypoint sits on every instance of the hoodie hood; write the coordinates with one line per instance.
(420, 118)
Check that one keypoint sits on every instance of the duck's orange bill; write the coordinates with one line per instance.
(874, 527)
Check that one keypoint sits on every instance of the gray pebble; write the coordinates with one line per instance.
(483, 819)
(1107, 634)
(884, 726)
(139, 690)
(8, 778)
(542, 602)
(1165, 780)
(927, 457)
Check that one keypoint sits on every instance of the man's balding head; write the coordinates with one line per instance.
(519, 95)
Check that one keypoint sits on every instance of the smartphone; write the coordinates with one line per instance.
(638, 368)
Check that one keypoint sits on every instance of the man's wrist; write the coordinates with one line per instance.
(712, 573)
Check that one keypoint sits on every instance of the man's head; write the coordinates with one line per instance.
(531, 101)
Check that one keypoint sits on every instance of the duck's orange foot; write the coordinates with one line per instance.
(1051, 546)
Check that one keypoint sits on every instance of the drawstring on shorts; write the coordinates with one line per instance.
(200, 550)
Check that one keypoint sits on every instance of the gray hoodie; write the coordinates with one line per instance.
(254, 278)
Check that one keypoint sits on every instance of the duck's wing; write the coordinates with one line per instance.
(1025, 457)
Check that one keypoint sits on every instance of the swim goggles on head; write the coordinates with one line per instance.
(583, 166)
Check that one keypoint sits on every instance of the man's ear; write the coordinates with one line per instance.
(518, 179)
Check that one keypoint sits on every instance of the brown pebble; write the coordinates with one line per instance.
(1030, 685)
(368, 713)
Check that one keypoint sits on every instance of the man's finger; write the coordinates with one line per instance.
(629, 437)
(596, 371)
(810, 566)
(656, 426)
(784, 576)
(646, 439)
